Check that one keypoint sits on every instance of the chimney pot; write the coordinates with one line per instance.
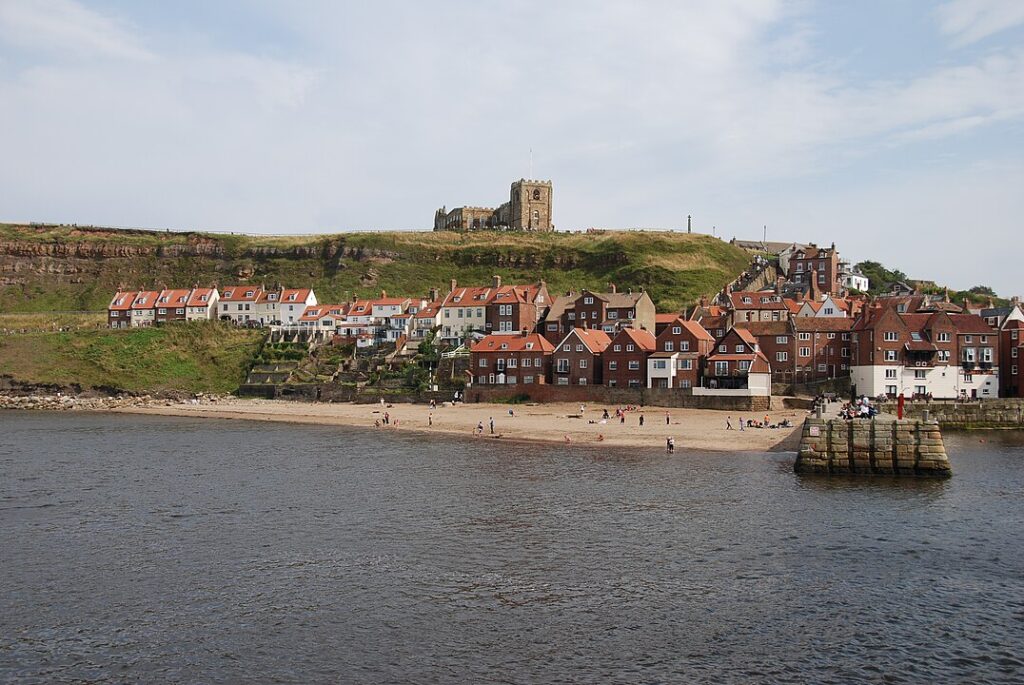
(611, 287)
(453, 284)
(496, 281)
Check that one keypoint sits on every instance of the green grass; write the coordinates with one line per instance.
(675, 268)
(193, 357)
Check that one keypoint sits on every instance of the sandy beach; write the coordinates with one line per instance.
(690, 428)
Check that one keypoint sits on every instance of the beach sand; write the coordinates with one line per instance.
(695, 429)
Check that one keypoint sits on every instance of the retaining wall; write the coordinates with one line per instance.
(888, 447)
(600, 394)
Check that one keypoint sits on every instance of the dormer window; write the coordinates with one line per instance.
(292, 296)
(529, 346)
(588, 300)
(271, 296)
(248, 293)
(203, 298)
(747, 300)
(916, 337)
(504, 346)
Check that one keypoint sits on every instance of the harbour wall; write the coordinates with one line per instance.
(601, 394)
(862, 447)
(1002, 413)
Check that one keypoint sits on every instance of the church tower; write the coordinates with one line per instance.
(531, 206)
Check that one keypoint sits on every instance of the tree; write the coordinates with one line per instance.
(982, 290)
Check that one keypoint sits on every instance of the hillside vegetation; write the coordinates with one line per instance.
(77, 268)
(193, 357)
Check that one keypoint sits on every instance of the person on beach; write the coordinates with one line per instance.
(430, 420)
(567, 439)
(376, 423)
(492, 425)
(728, 423)
(480, 427)
(600, 437)
(668, 418)
(387, 418)
(641, 419)
(583, 408)
(433, 404)
(622, 417)
(741, 423)
(511, 412)
(671, 445)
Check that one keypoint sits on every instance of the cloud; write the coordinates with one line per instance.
(64, 26)
(968, 21)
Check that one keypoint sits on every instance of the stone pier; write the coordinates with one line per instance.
(861, 447)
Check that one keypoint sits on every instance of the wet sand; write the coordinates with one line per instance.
(696, 429)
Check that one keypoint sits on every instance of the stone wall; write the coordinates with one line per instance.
(860, 447)
(600, 394)
(1004, 413)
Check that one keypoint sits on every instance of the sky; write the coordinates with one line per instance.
(893, 128)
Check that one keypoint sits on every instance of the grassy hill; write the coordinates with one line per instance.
(194, 357)
(77, 268)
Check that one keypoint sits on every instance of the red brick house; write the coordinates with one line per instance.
(777, 341)
(144, 308)
(511, 360)
(756, 305)
(1011, 359)
(822, 348)
(119, 311)
(818, 266)
(171, 305)
(681, 348)
(513, 309)
(577, 359)
(737, 363)
(625, 359)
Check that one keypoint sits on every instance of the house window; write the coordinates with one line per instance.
(613, 366)
(805, 336)
(634, 365)
(781, 339)
(943, 355)
(721, 368)
(968, 378)
(943, 337)
(630, 347)
(613, 314)
(805, 352)
(744, 365)
(890, 336)
(969, 354)
(588, 300)
(684, 364)
(1013, 370)
(552, 326)
(161, 311)
(919, 374)
(612, 383)
(986, 355)
(617, 348)
(845, 352)
(659, 364)
(890, 390)
(563, 366)
(821, 368)
(669, 346)
(831, 336)
(677, 330)
(685, 383)
(740, 349)
(890, 355)
(723, 348)
(527, 379)
(513, 362)
(968, 339)
(567, 348)
(781, 356)
(1013, 350)
(579, 348)
(583, 363)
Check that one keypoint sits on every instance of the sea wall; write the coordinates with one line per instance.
(1002, 413)
(861, 447)
(600, 394)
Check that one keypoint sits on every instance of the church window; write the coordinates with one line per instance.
(536, 194)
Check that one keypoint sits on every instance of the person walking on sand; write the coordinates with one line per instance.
(492, 425)
(668, 418)
(430, 420)
(641, 419)
(728, 423)
(671, 445)
(480, 427)
(583, 408)
(622, 417)
(741, 423)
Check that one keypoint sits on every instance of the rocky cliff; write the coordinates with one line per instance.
(46, 267)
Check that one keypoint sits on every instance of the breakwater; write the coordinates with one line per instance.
(885, 447)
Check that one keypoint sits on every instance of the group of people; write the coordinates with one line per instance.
(861, 408)
(754, 423)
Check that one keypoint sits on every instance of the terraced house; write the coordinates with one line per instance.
(511, 360)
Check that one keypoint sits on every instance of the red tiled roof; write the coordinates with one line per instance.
(173, 298)
(643, 339)
(971, 324)
(595, 340)
(122, 300)
(145, 299)
(755, 300)
(195, 299)
(237, 293)
(514, 343)
(830, 324)
(294, 294)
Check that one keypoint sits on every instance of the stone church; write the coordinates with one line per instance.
(528, 209)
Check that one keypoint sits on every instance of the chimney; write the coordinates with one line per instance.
(383, 294)
(495, 281)
(967, 305)
(815, 292)
(704, 300)
(778, 285)
(355, 298)
(454, 283)
(611, 288)
(1015, 300)
(525, 332)
(689, 223)
(991, 303)
(945, 297)
(433, 294)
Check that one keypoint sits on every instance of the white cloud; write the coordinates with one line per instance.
(65, 26)
(968, 21)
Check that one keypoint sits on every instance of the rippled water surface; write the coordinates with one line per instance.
(166, 550)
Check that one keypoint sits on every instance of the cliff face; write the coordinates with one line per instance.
(74, 268)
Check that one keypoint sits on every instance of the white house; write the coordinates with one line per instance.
(144, 308)
(202, 304)
(238, 303)
(289, 305)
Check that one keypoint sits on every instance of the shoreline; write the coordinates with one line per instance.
(691, 429)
